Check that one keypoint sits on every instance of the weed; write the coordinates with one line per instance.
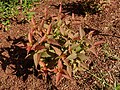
(10, 9)
(117, 86)
(109, 53)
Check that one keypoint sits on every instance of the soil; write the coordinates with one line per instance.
(17, 73)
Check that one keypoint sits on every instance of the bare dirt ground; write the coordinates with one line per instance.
(17, 73)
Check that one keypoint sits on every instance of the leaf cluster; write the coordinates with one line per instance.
(59, 49)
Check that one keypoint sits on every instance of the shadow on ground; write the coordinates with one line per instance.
(80, 7)
(21, 66)
(16, 57)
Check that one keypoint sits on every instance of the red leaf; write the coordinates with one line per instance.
(73, 16)
(37, 46)
(66, 61)
(33, 22)
(49, 29)
(45, 12)
(60, 65)
(28, 48)
(58, 77)
(55, 70)
(41, 63)
(41, 25)
(66, 76)
(60, 8)
(21, 45)
(52, 41)
(30, 37)
(45, 71)
(99, 42)
(58, 51)
(42, 22)
(42, 39)
(90, 34)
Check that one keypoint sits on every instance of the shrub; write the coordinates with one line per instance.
(59, 49)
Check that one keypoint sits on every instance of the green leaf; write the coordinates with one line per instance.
(47, 45)
(72, 56)
(45, 54)
(76, 35)
(52, 51)
(59, 23)
(46, 26)
(42, 50)
(36, 58)
(74, 46)
(78, 49)
(82, 56)
(62, 31)
(117, 87)
(88, 41)
(69, 70)
(70, 35)
(67, 43)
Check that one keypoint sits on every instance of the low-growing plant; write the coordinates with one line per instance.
(109, 53)
(7, 11)
(10, 9)
(116, 86)
(59, 49)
